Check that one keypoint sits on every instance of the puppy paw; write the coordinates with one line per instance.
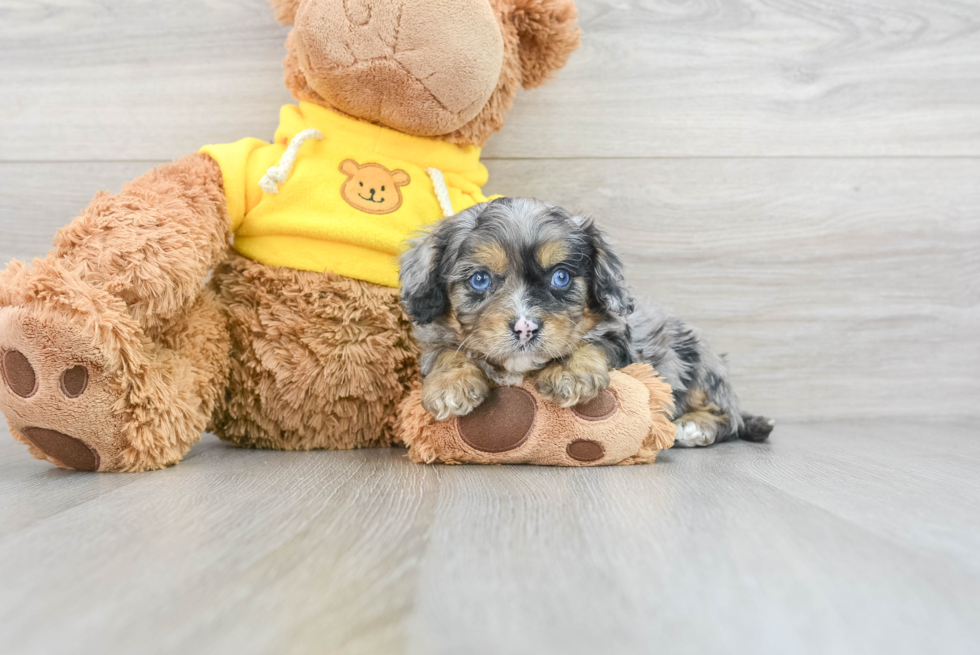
(691, 435)
(572, 383)
(454, 392)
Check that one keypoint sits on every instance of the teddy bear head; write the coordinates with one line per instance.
(447, 69)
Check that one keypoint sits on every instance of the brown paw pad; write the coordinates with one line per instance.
(585, 450)
(74, 381)
(69, 451)
(599, 408)
(503, 422)
(18, 373)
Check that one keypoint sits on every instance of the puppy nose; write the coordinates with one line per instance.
(525, 329)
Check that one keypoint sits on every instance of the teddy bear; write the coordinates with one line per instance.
(251, 289)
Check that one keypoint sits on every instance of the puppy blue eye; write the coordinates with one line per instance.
(561, 278)
(480, 281)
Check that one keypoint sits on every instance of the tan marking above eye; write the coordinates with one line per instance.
(551, 253)
(493, 256)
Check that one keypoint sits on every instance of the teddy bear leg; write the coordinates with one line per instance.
(516, 425)
(318, 360)
(628, 423)
(110, 354)
(82, 386)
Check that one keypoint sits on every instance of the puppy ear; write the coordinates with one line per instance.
(607, 286)
(548, 36)
(427, 264)
(285, 10)
(424, 294)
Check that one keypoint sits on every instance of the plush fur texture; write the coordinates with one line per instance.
(538, 37)
(518, 288)
(318, 361)
(633, 433)
(152, 244)
(273, 358)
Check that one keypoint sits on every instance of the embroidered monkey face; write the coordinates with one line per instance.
(372, 188)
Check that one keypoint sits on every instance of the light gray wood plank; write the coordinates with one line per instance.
(125, 79)
(845, 538)
(292, 552)
(760, 78)
(838, 288)
(694, 556)
(864, 472)
(31, 494)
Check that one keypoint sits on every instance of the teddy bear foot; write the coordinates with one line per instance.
(626, 424)
(79, 383)
(56, 391)
(56, 387)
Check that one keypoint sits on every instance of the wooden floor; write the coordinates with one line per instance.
(835, 538)
(800, 178)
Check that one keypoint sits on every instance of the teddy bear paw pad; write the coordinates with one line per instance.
(56, 391)
(600, 408)
(502, 423)
(68, 450)
(18, 374)
(585, 450)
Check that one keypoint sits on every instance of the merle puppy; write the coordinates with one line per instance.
(517, 287)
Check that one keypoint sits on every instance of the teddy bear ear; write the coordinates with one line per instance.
(349, 167)
(548, 35)
(285, 10)
(401, 178)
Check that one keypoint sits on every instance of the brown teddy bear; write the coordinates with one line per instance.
(116, 354)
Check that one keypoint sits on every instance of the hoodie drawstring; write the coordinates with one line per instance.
(277, 174)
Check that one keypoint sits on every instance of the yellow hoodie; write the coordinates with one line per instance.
(336, 194)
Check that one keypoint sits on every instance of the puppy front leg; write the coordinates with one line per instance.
(455, 386)
(576, 379)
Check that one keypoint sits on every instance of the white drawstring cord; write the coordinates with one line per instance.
(442, 191)
(277, 174)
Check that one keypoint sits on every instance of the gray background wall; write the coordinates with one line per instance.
(800, 178)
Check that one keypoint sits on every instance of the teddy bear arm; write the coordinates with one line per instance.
(153, 244)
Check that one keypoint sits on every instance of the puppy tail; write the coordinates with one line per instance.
(755, 428)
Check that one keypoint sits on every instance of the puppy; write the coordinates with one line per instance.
(517, 287)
